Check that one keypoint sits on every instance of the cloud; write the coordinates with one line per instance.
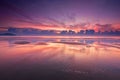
(107, 27)
(48, 23)
(10, 7)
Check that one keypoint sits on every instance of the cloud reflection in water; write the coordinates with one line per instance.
(40, 57)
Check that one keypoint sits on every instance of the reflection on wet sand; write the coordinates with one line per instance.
(60, 59)
(21, 42)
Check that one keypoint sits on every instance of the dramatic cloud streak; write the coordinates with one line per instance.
(61, 15)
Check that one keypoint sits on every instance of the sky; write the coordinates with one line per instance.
(59, 15)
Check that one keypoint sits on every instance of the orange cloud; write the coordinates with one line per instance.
(58, 26)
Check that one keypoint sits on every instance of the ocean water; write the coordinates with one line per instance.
(59, 58)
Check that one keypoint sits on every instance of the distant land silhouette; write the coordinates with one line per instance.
(32, 31)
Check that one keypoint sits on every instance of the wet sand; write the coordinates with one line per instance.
(37, 58)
